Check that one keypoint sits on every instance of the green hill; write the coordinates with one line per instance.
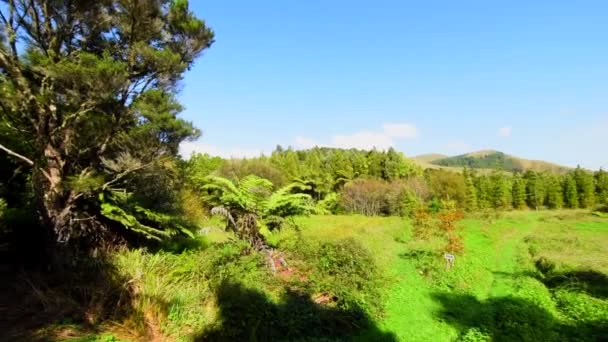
(429, 158)
(491, 159)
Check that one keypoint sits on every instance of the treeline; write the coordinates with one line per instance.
(387, 183)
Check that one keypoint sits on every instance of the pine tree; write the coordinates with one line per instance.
(601, 186)
(501, 194)
(484, 190)
(375, 161)
(519, 192)
(570, 192)
(585, 187)
(342, 167)
(535, 189)
(555, 193)
(471, 191)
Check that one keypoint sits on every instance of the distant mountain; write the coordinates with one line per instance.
(429, 158)
(489, 159)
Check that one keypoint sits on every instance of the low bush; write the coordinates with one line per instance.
(344, 270)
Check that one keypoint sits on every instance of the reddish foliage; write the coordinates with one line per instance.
(448, 220)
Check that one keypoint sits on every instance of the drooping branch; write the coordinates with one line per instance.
(17, 155)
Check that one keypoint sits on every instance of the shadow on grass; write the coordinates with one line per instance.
(513, 319)
(418, 254)
(42, 305)
(590, 282)
(248, 315)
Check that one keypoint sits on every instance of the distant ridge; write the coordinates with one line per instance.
(489, 159)
(430, 157)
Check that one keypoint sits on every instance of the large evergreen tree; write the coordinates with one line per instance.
(519, 192)
(585, 187)
(570, 192)
(601, 186)
(535, 189)
(484, 192)
(501, 191)
(471, 191)
(555, 197)
(88, 99)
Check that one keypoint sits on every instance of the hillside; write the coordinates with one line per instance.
(430, 157)
(491, 159)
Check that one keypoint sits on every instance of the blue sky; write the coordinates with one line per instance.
(529, 78)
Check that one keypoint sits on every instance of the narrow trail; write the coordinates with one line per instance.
(506, 264)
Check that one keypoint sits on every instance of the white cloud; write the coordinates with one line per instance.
(363, 140)
(400, 130)
(187, 148)
(458, 147)
(505, 131)
(366, 140)
(305, 143)
(382, 139)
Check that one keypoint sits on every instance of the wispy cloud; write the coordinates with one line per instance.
(187, 148)
(305, 143)
(505, 132)
(400, 130)
(381, 139)
(458, 147)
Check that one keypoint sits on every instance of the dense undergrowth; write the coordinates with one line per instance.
(220, 292)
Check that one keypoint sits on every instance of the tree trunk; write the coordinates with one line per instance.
(53, 199)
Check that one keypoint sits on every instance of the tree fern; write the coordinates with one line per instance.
(251, 208)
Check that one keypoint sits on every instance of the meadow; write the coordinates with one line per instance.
(522, 276)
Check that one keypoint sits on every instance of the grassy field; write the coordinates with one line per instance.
(523, 276)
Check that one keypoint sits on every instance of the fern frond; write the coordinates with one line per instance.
(130, 222)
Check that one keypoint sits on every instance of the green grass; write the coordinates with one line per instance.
(497, 271)
(523, 276)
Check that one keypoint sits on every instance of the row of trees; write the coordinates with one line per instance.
(387, 183)
(576, 189)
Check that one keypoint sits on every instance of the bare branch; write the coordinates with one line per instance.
(125, 173)
(15, 154)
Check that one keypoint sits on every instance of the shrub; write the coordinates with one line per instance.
(330, 204)
(448, 219)
(423, 223)
(373, 197)
(344, 269)
(365, 196)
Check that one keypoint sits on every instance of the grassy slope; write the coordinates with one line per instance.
(496, 266)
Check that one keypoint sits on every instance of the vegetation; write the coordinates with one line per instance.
(107, 234)
(492, 160)
(88, 109)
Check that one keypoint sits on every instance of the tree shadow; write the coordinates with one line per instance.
(590, 282)
(513, 319)
(249, 315)
(418, 254)
(37, 303)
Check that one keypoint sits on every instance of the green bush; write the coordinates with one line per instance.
(345, 270)
(330, 204)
